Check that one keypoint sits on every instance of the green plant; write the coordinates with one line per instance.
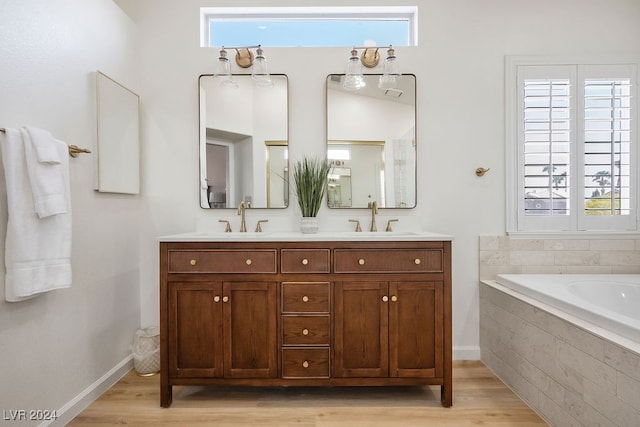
(310, 179)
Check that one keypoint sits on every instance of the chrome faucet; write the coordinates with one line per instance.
(374, 210)
(241, 208)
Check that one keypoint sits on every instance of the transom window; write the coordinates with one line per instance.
(571, 147)
(309, 26)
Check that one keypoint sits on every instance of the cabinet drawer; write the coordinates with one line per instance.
(305, 260)
(305, 363)
(305, 297)
(223, 261)
(305, 330)
(388, 261)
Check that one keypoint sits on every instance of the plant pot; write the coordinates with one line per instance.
(309, 225)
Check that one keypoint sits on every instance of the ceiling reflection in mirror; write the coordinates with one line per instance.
(371, 141)
(244, 142)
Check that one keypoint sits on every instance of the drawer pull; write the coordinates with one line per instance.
(305, 331)
(361, 261)
(248, 262)
(394, 298)
(305, 364)
(305, 298)
(216, 298)
(225, 299)
(193, 262)
(305, 261)
(385, 298)
(417, 261)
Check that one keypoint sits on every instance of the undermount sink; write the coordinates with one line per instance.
(296, 236)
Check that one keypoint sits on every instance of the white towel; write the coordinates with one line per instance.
(45, 171)
(37, 250)
(42, 143)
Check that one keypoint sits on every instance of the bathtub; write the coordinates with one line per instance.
(610, 302)
(568, 345)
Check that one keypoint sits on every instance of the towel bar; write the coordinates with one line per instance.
(74, 150)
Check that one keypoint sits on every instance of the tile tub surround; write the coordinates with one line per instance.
(566, 373)
(504, 254)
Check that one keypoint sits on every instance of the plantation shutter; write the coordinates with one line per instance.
(608, 156)
(546, 139)
(577, 149)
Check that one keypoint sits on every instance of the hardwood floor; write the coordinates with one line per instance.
(479, 398)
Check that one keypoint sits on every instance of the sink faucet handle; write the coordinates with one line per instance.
(227, 229)
(259, 226)
(389, 224)
(358, 228)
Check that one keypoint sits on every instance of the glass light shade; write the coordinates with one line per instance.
(353, 79)
(388, 78)
(260, 71)
(224, 67)
(223, 71)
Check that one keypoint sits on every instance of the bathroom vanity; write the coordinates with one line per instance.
(296, 310)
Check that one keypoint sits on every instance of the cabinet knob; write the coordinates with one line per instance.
(361, 261)
(417, 261)
(225, 299)
(394, 298)
(193, 262)
(385, 298)
(305, 298)
(216, 298)
(305, 261)
(305, 364)
(305, 331)
(248, 262)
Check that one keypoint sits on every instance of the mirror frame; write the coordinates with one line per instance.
(330, 142)
(118, 137)
(202, 138)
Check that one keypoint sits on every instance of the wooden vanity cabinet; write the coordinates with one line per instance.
(305, 313)
(388, 329)
(222, 330)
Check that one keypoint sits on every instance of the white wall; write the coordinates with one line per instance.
(459, 66)
(56, 345)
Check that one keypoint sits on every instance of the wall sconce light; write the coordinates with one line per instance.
(353, 79)
(224, 70)
(388, 78)
(244, 59)
(370, 58)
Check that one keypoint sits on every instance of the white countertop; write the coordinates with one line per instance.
(293, 236)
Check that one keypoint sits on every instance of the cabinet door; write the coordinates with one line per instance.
(250, 313)
(415, 329)
(195, 329)
(361, 329)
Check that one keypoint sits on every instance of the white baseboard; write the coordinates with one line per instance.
(76, 405)
(466, 353)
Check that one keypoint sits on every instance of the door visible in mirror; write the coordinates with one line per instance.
(371, 132)
(244, 142)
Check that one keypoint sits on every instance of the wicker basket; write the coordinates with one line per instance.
(146, 351)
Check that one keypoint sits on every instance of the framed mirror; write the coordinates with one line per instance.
(118, 157)
(244, 142)
(371, 132)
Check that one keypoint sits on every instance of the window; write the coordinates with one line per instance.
(571, 147)
(309, 26)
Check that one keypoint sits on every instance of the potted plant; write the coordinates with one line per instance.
(310, 179)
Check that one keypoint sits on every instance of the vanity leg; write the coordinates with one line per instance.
(166, 395)
(446, 395)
